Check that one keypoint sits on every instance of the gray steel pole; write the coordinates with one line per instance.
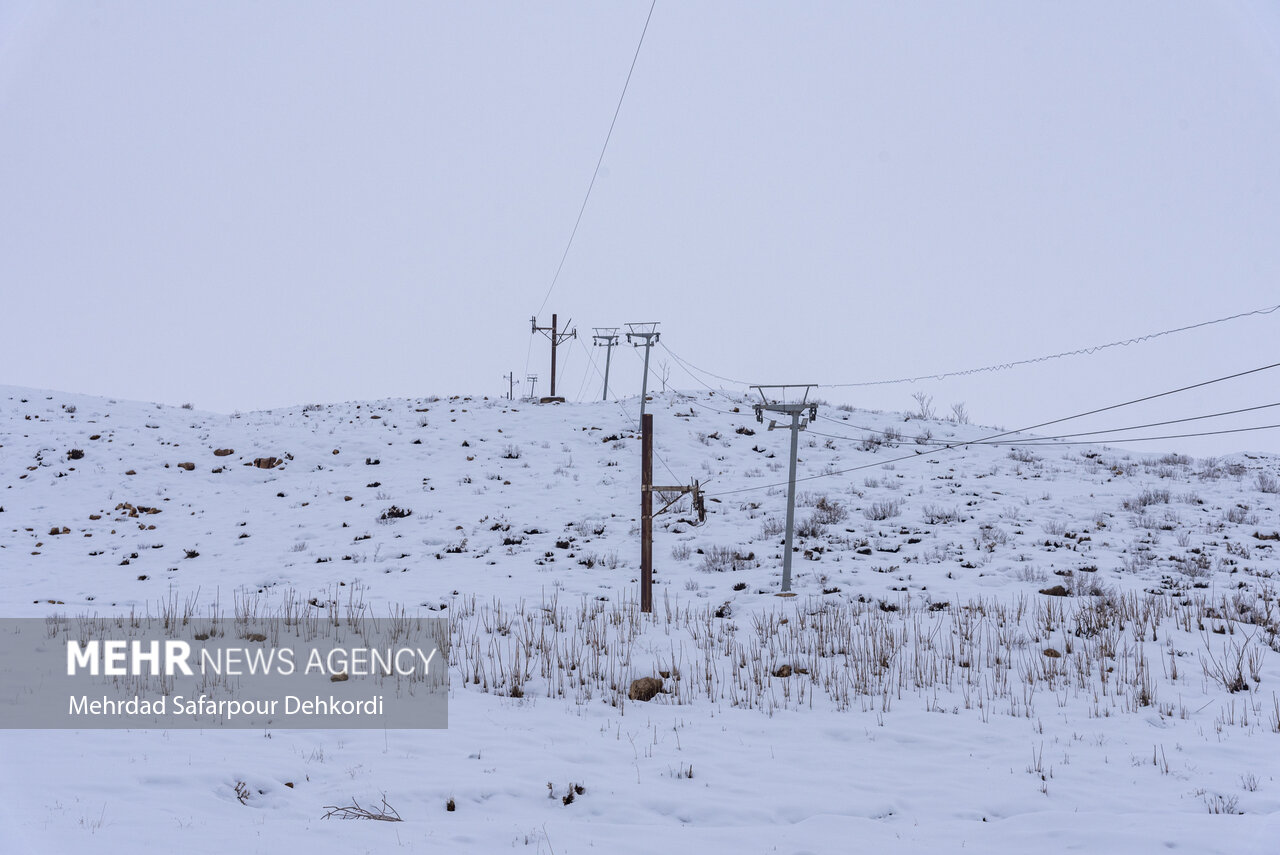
(794, 410)
(791, 503)
(644, 384)
(608, 356)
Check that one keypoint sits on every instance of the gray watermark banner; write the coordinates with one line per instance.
(241, 672)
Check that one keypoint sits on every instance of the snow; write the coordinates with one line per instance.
(931, 717)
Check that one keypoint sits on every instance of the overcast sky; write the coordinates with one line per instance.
(247, 205)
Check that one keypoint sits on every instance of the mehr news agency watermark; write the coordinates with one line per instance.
(224, 673)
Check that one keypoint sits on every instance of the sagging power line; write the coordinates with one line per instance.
(986, 439)
(1053, 439)
(600, 160)
(1003, 366)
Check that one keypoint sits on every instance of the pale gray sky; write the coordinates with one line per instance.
(245, 205)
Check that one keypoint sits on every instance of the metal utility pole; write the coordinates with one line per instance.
(605, 337)
(647, 489)
(648, 334)
(511, 385)
(532, 380)
(556, 337)
(794, 410)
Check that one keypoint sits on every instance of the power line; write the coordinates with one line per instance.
(586, 373)
(635, 425)
(888, 433)
(684, 362)
(1053, 439)
(1046, 439)
(600, 160)
(1135, 401)
(528, 353)
(698, 380)
(959, 445)
(987, 439)
(826, 474)
(1084, 351)
(1034, 444)
(564, 365)
(1131, 438)
(928, 443)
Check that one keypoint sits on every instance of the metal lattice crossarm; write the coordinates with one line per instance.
(643, 330)
(777, 402)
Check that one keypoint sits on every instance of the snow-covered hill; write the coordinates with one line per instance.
(987, 643)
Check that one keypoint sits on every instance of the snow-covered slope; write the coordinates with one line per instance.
(986, 643)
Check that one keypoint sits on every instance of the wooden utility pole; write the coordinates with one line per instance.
(511, 385)
(646, 512)
(552, 332)
(646, 509)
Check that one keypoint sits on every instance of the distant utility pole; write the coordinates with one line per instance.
(794, 410)
(511, 385)
(606, 337)
(647, 333)
(532, 380)
(647, 489)
(556, 337)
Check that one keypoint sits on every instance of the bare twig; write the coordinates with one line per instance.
(385, 813)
